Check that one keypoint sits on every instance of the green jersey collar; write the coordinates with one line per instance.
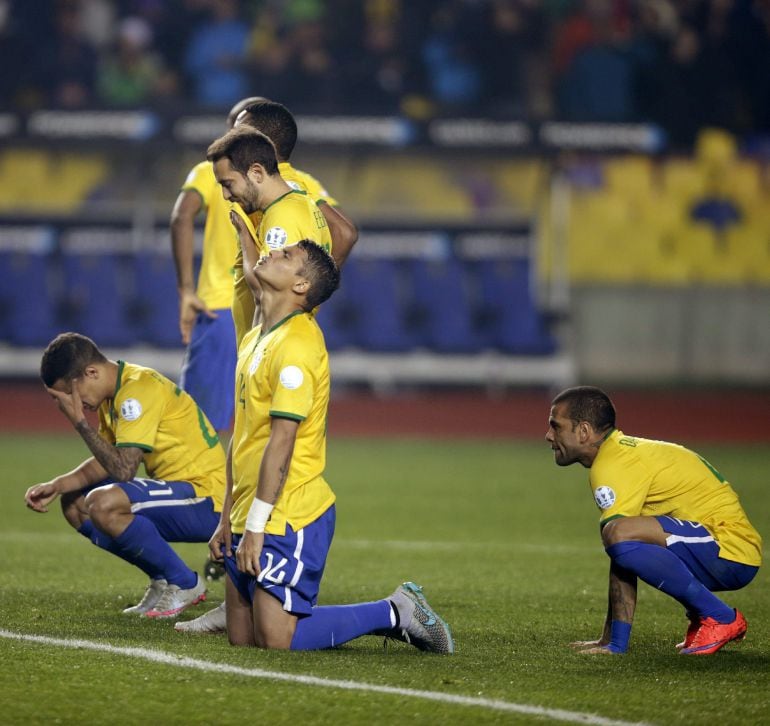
(280, 323)
(283, 196)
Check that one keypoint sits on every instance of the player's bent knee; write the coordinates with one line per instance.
(240, 642)
(105, 503)
(616, 531)
(633, 529)
(273, 641)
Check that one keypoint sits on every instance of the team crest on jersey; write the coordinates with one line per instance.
(130, 409)
(291, 377)
(604, 497)
(276, 238)
(255, 361)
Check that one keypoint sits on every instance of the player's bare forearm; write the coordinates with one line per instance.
(276, 460)
(187, 206)
(343, 232)
(622, 596)
(39, 496)
(621, 605)
(249, 250)
(120, 464)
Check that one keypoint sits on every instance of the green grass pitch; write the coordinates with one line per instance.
(505, 544)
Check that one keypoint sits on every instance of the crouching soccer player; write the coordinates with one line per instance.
(278, 517)
(143, 418)
(667, 517)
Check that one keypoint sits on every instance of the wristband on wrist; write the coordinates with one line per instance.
(620, 634)
(259, 513)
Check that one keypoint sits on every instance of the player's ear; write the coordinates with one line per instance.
(90, 371)
(301, 286)
(585, 430)
(256, 172)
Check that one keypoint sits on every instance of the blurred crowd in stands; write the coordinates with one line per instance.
(683, 64)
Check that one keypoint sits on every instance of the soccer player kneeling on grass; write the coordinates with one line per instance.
(667, 517)
(278, 517)
(143, 418)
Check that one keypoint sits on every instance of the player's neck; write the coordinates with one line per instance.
(273, 189)
(276, 306)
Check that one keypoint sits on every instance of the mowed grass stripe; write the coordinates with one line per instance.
(171, 659)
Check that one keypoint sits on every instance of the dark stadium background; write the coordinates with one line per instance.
(547, 192)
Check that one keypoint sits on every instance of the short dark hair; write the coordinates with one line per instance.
(244, 146)
(67, 356)
(235, 111)
(588, 403)
(276, 122)
(322, 272)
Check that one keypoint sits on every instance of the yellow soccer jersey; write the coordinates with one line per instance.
(152, 413)
(284, 373)
(289, 219)
(220, 242)
(640, 477)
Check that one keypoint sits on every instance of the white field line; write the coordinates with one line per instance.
(157, 656)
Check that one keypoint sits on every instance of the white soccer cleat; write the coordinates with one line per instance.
(419, 624)
(149, 599)
(174, 600)
(214, 621)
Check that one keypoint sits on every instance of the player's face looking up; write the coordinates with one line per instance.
(236, 187)
(282, 268)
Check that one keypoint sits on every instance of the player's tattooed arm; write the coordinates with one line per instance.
(622, 594)
(120, 464)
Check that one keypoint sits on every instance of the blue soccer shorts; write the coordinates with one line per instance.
(692, 543)
(291, 565)
(178, 513)
(208, 369)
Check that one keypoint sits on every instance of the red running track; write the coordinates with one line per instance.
(685, 415)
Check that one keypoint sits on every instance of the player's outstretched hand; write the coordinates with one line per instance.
(39, 496)
(583, 644)
(598, 650)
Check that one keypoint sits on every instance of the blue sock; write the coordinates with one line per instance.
(664, 570)
(333, 625)
(105, 542)
(142, 544)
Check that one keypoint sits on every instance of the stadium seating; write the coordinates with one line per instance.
(380, 300)
(97, 297)
(512, 321)
(28, 298)
(157, 303)
(443, 306)
(338, 315)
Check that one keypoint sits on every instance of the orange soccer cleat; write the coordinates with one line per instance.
(692, 628)
(711, 635)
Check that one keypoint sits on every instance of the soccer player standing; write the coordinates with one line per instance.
(667, 517)
(205, 316)
(144, 418)
(207, 313)
(246, 167)
(278, 124)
